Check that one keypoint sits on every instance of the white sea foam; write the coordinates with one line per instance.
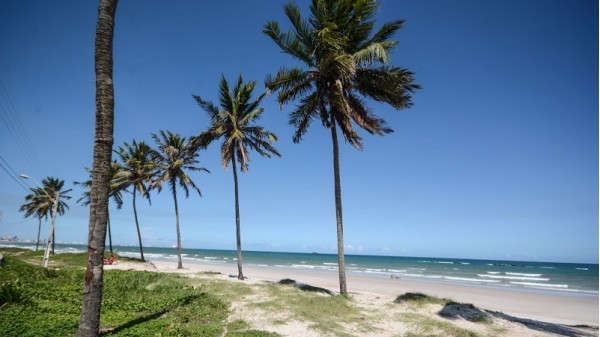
(493, 272)
(524, 274)
(547, 267)
(445, 262)
(522, 278)
(541, 285)
(422, 276)
(396, 271)
(330, 264)
(374, 269)
(211, 258)
(582, 268)
(469, 279)
(464, 263)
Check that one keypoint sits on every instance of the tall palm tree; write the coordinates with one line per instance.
(137, 170)
(235, 124)
(344, 64)
(114, 193)
(89, 325)
(33, 206)
(53, 188)
(175, 156)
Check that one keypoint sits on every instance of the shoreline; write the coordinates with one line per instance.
(567, 309)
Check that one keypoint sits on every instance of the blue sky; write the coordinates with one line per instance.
(497, 159)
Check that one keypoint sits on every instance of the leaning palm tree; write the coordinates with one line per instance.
(344, 64)
(33, 206)
(53, 188)
(137, 170)
(89, 324)
(114, 193)
(175, 155)
(235, 124)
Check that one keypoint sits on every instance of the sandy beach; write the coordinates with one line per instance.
(520, 313)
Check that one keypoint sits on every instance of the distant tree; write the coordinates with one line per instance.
(235, 124)
(174, 156)
(34, 206)
(89, 325)
(114, 193)
(344, 63)
(136, 169)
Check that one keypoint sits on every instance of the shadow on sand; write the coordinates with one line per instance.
(559, 329)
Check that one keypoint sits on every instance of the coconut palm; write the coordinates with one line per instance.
(235, 123)
(52, 188)
(114, 193)
(344, 63)
(136, 169)
(33, 206)
(175, 156)
(89, 324)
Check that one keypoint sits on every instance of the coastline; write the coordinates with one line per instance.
(564, 309)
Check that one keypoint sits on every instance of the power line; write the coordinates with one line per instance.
(15, 177)
(17, 131)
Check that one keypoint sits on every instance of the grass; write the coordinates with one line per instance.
(425, 326)
(454, 310)
(420, 299)
(35, 301)
(324, 313)
(47, 302)
(240, 328)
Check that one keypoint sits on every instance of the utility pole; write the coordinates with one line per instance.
(50, 242)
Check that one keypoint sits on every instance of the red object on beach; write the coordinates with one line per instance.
(110, 260)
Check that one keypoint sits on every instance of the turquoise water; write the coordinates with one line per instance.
(565, 278)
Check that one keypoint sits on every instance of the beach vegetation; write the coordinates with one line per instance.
(420, 299)
(425, 326)
(344, 62)
(115, 193)
(326, 314)
(454, 310)
(133, 304)
(174, 156)
(240, 328)
(305, 287)
(136, 169)
(235, 122)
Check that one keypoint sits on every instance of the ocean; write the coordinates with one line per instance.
(563, 278)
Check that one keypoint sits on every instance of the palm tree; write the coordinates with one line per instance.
(89, 324)
(137, 170)
(114, 193)
(344, 64)
(235, 123)
(174, 156)
(33, 205)
(51, 189)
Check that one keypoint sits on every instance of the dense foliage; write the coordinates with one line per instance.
(35, 301)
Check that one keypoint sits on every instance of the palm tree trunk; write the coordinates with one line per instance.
(137, 225)
(338, 209)
(89, 324)
(53, 241)
(39, 230)
(109, 235)
(238, 233)
(179, 264)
